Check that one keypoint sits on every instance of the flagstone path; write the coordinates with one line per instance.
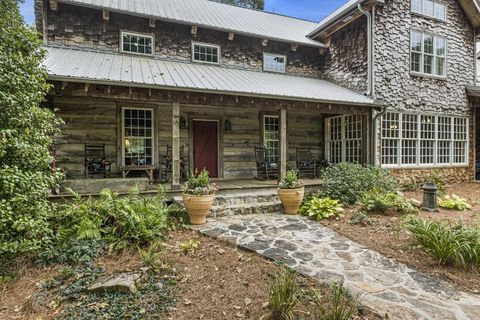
(381, 284)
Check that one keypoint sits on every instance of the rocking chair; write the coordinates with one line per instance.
(305, 164)
(166, 165)
(265, 170)
(95, 161)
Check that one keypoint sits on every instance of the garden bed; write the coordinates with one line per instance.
(389, 237)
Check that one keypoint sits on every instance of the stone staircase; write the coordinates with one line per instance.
(243, 202)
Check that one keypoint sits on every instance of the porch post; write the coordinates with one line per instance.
(283, 143)
(176, 146)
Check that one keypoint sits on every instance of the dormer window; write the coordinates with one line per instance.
(274, 62)
(136, 43)
(430, 8)
(205, 53)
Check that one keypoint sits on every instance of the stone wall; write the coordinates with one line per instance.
(84, 27)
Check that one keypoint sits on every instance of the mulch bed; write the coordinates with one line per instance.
(388, 236)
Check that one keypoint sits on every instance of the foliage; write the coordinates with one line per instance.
(199, 184)
(458, 245)
(26, 131)
(283, 293)
(321, 208)
(410, 186)
(336, 306)
(454, 202)
(348, 182)
(291, 181)
(252, 4)
(189, 246)
(119, 221)
(151, 256)
(361, 217)
(434, 177)
(72, 252)
(380, 202)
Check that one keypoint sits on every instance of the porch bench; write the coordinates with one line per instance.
(147, 169)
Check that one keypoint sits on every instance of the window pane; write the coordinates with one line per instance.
(137, 43)
(428, 64)
(416, 41)
(416, 62)
(428, 7)
(138, 137)
(428, 43)
(440, 66)
(205, 53)
(271, 138)
(417, 6)
(274, 63)
(440, 11)
(440, 46)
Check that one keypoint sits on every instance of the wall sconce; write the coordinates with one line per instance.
(183, 123)
(227, 127)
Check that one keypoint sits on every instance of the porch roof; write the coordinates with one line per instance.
(102, 67)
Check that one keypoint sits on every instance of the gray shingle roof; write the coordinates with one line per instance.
(213, 15)
(80, 65)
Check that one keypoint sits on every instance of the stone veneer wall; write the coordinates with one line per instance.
(84, 27)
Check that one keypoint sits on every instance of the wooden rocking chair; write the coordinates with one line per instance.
(167, 164)
(96, 162)
(265, 170)
(306, 166)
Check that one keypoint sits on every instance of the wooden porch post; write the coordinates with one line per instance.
(176, 146)
(283, 143)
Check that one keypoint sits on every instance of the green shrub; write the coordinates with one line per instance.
(321, 208)
(361, 217)
(151, 256)
(283, 294)
(434, 177)
(120, 221)
(458, 245)
(348, 182)
(72, 252)
(189, 246)
(380, 202)
(454, 202)
(338, 305)
(291, 181)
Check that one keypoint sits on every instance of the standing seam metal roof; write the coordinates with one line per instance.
(213, 15)
(81, 65)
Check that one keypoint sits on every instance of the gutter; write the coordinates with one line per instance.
(370, 90)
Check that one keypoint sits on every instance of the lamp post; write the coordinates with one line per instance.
(430, 197)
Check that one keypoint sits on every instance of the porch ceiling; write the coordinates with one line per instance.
(101, 67)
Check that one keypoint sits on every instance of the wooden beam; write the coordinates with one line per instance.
(294, 46)
(194, 31)
(87, 86)
(231, 35)
(53, 5)
(283, 143)
(176, 146)
(264, 42)
(106, 15)
(64, 85)
(152, 23)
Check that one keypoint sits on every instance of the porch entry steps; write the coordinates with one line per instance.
(243, 203)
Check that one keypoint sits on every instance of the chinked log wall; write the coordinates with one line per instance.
(95, 117)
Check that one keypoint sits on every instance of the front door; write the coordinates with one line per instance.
(205, 146)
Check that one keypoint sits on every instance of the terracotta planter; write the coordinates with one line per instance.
(198, 207)
(291, 199)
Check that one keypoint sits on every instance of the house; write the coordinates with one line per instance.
(203, 83)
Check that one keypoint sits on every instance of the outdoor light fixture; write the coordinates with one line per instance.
(430, 197)
(227, 127)
(183, 123)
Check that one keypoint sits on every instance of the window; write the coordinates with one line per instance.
(137, 137)
(344, 139)
(430, 8)
(420, 140)
(271, 138)
(274, 62)
(206, 53)
(428, 54)
(137, 43)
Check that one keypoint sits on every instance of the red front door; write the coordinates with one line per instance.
(205, 146)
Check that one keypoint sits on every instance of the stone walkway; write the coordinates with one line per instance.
(382, 284)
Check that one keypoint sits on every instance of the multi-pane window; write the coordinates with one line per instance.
(271, 136)
(206, 53)
(344, 139)
(428, 54)
(419, 140)
(138, 137)
(274, 62)
(137, 43)
(431, 8)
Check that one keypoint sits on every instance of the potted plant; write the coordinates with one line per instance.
(291, 192)
(198, 196)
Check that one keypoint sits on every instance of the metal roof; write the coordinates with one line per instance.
(213, 15)
(102, 67)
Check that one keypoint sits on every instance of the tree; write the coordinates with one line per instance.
(252, 4)
(26, 134)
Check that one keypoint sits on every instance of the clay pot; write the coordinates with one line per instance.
(291, 199)
(198, 207)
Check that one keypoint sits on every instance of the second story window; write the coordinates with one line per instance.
(274, 62)
(137, 43)
(428, 54)
(430, 8)
(206, 53)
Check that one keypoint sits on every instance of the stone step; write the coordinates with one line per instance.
(246, 208)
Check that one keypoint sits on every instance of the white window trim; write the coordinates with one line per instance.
(151, 36)
(343, 138)
(278, 55)
(216, 46)
(435, 165)
(421, 73)
(429, 16)
(265, 116)
(123, 132)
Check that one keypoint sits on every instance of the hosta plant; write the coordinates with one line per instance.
(321, 208)
(454, 202)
